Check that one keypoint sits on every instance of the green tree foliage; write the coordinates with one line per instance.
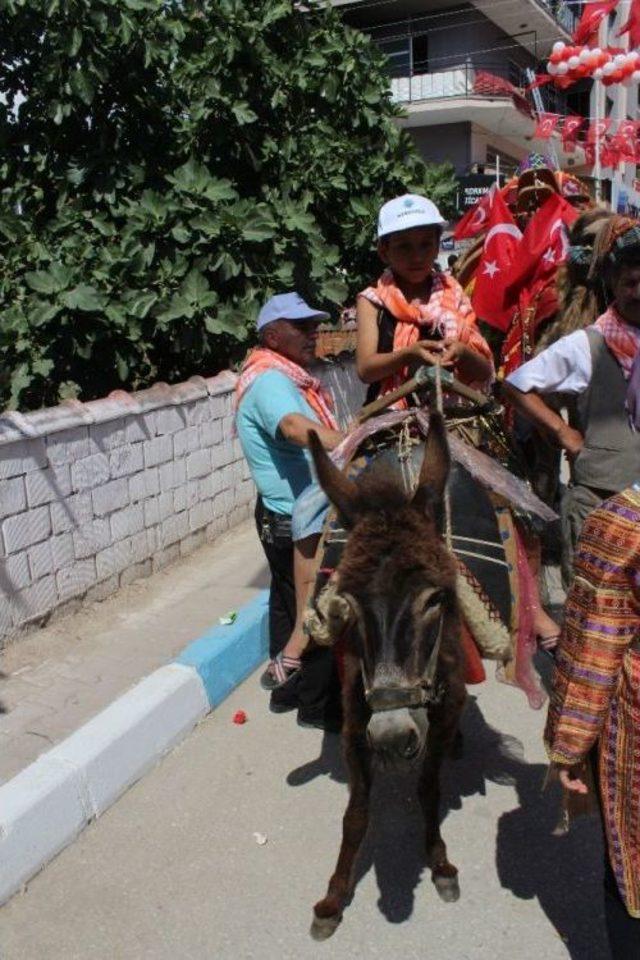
(168, 164)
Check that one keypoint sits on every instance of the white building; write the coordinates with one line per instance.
(437, 48)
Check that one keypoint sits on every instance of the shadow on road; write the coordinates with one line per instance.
(562, 872)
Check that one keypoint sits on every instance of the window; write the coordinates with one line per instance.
(421, 53)
(398, 53)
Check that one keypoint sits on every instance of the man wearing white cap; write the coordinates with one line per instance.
(278, 403)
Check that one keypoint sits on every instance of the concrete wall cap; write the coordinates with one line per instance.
(224, 382)
(159, 395)
(108, 408)
(16, 426)
(54, 419)
(188, 392)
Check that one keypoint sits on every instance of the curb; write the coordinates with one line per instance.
(46, 806)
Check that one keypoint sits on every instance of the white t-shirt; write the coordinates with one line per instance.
(564, 367)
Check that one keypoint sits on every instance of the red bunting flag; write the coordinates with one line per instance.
(586, 33)
(570, 130)
(598, 129)
(590, 153)
(609, 153)
(501, 246)
(625, 140)
(632, 26)
(475, 219)
(547, 123)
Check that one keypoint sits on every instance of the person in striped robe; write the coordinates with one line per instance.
(595, 704)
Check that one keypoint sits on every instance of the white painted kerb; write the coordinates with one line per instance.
(49, 803)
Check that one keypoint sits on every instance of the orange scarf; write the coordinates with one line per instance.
(262, 359)
(447, 314)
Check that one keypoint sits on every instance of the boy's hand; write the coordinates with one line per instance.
(453, 350)
(429, 351)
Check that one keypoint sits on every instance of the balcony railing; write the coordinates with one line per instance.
(563, 14)
(465, 81)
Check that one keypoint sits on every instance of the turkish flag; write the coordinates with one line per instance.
(632, 26)
(475, 219)
(570, 130)
(544, 248)
(598, 129)
(547, 122)
(609, 153)
(501, 245)
(586, 33)
(625, 140)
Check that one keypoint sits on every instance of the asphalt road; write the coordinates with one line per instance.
(174, 870)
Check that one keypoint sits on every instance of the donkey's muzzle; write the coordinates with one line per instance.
(395, 734)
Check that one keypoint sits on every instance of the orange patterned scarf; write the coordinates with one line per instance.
(622, 339)
(262, 359)
(447, 314)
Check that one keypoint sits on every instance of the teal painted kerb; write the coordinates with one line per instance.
(224, 656)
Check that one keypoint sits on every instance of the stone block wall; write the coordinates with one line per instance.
(96, 495)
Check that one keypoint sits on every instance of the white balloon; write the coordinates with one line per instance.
(633, 55)
(584, 55)
(592, 58)
(635, 76)
(573, 62)
(562, 69)
(558, 46)
(597, 74)
(608, 69)
(552, 68)
(596, 51)
(619, 59)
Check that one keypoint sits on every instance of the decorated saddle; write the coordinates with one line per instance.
(486, 504)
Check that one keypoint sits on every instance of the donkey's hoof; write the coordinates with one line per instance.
(324, 927)
(448, 888)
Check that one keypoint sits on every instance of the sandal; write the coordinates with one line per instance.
(280, 670)
(547, 645)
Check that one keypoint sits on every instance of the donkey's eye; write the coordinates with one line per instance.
(431, 602)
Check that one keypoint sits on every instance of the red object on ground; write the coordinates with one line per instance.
(239, 717)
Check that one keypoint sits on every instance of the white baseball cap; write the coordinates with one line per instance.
(408, 211)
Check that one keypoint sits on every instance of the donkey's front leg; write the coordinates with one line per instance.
(441, 733)
(327, 913)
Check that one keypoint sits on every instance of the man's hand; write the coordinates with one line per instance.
(572, 778)
(453, 352)
(570, 440)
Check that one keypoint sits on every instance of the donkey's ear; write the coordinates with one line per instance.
(435, 465)
(342, 492)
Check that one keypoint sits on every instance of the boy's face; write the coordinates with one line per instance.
(410, 253)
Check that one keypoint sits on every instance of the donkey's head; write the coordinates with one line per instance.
(399, 580)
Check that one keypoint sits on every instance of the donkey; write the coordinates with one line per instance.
(403, 689)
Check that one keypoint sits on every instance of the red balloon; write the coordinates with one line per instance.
(617, 76)
(581, 71)
(555, 57)
(603, 58)
(607, 81)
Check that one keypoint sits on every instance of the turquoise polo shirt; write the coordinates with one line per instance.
(280, 469)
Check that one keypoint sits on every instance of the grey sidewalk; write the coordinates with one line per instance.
(62, 675)
(173, 870)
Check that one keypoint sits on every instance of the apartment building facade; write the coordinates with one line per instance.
(440, 53)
